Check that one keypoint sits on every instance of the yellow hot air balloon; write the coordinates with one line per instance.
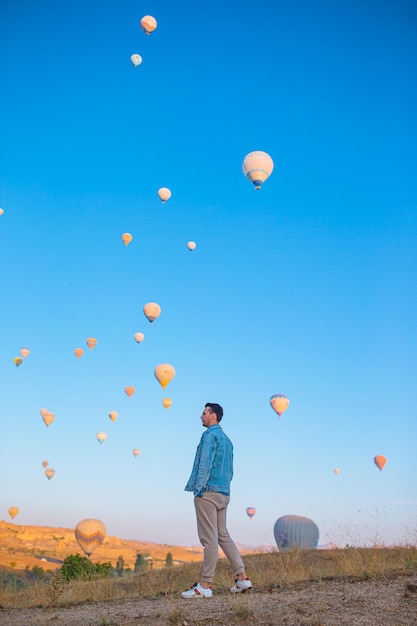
(279, 403)
(164, 373)
(380, 461)
(91, 342)
(13, 511)
(113, 415)
(129, 391)
(152, 311)
(164, 194)
(127, 238)
(139, 337)
(191, 245)
(167, 402)
(45, 463)
(49, 473)
(18, 361)
(90, 533)
(257, 167)
(48, 418)
(136, 59)
(148, 24)
(135, 452)
(25, 352)
(101, 437)
(78, 352)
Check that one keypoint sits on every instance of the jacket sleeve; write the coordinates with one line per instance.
(207, 452)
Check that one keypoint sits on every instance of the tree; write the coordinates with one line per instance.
(168, 560)
(140, 563)
(120, 566)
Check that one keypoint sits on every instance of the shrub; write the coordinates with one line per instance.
(77, 567)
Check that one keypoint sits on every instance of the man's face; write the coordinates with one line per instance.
(207, 417)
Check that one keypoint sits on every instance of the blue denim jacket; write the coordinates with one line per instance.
(213, 463)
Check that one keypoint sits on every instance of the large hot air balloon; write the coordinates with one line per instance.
(25, 352)
(18, 361)
(78, 352)
(45, 463)
(13, 511)
(91, 342)
(49, 473)
(136, 59)
(164, 194)
(139, 337)
(291, 531)
(164, 373)
(90, 533)
(48, 418)
(191, 245)
(152, 310)
(113, 415)
(380, 461)
(101, 437)
(279, 403)
(148, 24)
(167, 402)
(135, 452)
(127, 238)
(250, 511)
(257, 167)
(129, 391)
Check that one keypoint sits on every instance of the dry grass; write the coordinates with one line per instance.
(269, 572)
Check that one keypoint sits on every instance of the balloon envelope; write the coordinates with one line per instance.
(336, 470)
(13, 511)
(250, 511)
(91, 342)
(113, 415)
(257, 166)
(136, 59)
(139, 337)
(127, 238)
(164, 373)
(101, 437)
(129, 391)
(295, 531)
(135, 452)
(191, 245)
(48, 418)
(148, 24)
(78, 352)
(18, 361)
(49, 473)
(164, 194)
(45, 463)
(90, 533)
(279, 403)
(167, 402)
(25, 352)
(380, 461)
(152, 310)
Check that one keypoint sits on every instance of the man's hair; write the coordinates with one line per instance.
(217, 409)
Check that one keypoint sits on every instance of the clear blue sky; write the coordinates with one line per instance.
(306, 287)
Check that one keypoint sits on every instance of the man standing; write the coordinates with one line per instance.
(210, 482)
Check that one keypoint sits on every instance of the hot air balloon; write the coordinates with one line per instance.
(113, 415)
(164, 373)
(152, 311)
(148, 24)
(78, 352)
(257, 167)
(291, 531)
(139, 337)
(127, 238)
(279, 403)
(129, 391)
(1, 211)
(49, 473)
(164, 194)
(13, 511)
(135, 452)
(18, 361)
(336, 470)
(90, 533)
(91, 342)
(250, 511)
(43, 411)
(25, 352)
(101, 437)
(136, 59)
(380, 461)
(167, 402)
(191, 245)
(45, 463)
(48, 418)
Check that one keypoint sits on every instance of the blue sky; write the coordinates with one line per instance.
(306, 287)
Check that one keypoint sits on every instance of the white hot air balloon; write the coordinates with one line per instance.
(257, 167)
(101, 436)
(164, 194)
(139, 337)
(136, 59)
(191, 245)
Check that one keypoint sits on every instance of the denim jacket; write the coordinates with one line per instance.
(213, 463)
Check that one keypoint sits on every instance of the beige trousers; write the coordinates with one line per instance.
(211, 512)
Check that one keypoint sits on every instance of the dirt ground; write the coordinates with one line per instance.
(385, 602)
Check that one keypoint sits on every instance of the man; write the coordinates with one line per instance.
(210, 482)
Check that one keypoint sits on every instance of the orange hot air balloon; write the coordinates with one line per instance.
(48, 418)
(49, 473)
(336, 470)
(279, 403)
(164, 373)
(148, 24)
(135, 452)
(91, 342)
(167, 402)
(191, 245)
(17, 361)
(129, 391)
(90, 533)
(380, 461)
(45, 463)
(127, 238)
(139, 337)
(25, 352)
(43, 411)
(78, 352)
(113, 415)
(152, 310)
(13, 511)
(250, 511)
(164, 194)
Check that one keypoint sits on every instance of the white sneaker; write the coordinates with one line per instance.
(197, 591)
(241, 586)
